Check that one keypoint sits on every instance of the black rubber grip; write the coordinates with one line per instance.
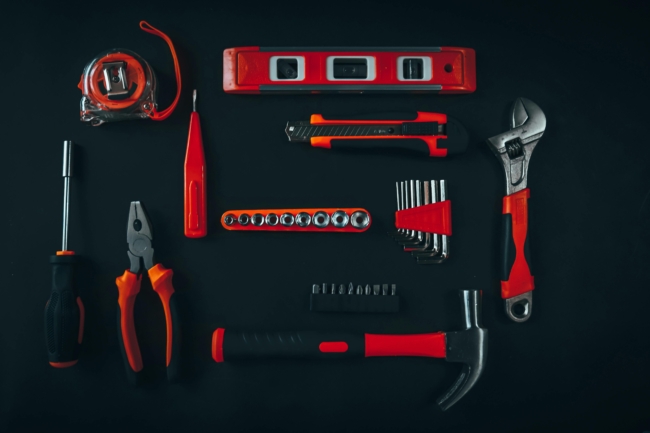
(354, 303)
(409, 144)
(174, 367)
(508, 248)
(239, 345)
(457, 137)
(62, 312)
(404, 115)
(420, 128)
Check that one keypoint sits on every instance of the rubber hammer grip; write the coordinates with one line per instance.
(235, 346)
(516, 275)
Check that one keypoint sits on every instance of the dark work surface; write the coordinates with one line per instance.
(580, 363)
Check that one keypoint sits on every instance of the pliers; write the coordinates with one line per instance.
(139, 236)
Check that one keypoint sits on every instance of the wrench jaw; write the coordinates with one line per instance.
(514, 148)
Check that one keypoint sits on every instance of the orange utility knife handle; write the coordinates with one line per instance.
(516, 275)
(195, 195)
(128, 286)
(161, 281)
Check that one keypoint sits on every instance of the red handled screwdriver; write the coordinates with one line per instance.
(64, 311)
(195, 225)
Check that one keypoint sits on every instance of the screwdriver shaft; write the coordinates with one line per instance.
(67, 172)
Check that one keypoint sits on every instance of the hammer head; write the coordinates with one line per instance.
(468, 346)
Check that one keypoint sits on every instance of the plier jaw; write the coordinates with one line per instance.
(515, 147)
(139, 236)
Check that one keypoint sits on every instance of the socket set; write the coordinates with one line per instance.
(341, 299)
(423, 220)
(350, 220)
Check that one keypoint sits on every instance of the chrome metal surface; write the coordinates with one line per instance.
(321, 219)
(340, 219)
(287, 219)
(515, 147)
(519, 308)
(272, 219)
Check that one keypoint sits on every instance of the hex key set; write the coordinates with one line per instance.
(119, 85)
(423, 220)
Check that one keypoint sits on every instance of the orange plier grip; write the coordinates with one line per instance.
(128, 286)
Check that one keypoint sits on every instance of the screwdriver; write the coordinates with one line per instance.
(64, 311)
(195, 195)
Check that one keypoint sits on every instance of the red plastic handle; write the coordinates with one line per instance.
(433, 345)
(161, 281)
(517, 278)
(128, 286)
(429, 218)
(195, 225)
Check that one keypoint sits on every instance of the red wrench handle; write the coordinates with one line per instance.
(516, 275)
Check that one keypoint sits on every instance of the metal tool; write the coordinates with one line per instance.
(432, 134)
(514, 149)
(139, 237)
(467, 346)
(195, 200)
(348, 301)
(427, 217)
(64, 311)
(350, 220)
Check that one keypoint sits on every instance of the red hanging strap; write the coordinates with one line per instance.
(162, 115)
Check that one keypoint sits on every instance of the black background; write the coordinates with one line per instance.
(581, 361)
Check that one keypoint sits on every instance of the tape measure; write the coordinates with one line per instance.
(118, 84)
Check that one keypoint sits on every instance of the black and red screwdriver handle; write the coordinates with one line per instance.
(236, 345)
(516, 274)
(128, 287)
(64, 313)
(419, 133)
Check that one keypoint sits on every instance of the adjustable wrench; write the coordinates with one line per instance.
(514, 149)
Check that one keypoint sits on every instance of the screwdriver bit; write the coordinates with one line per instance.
(315, 288)
(350, 289)
(375, 289)
(333, 289)
(393, 289)
(367, 289)
(384, 289)
(359, 290)
(342, 289)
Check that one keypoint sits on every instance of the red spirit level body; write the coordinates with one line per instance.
(257, 70)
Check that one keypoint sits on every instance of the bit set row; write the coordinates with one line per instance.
(427, 248)
(380, 298)
(336, 219)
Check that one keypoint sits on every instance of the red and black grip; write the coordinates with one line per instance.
(64, 313)
(129, 286)
(516, 273)
(419, 133)
(237, 345)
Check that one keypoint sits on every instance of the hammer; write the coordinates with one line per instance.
(468, 346)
